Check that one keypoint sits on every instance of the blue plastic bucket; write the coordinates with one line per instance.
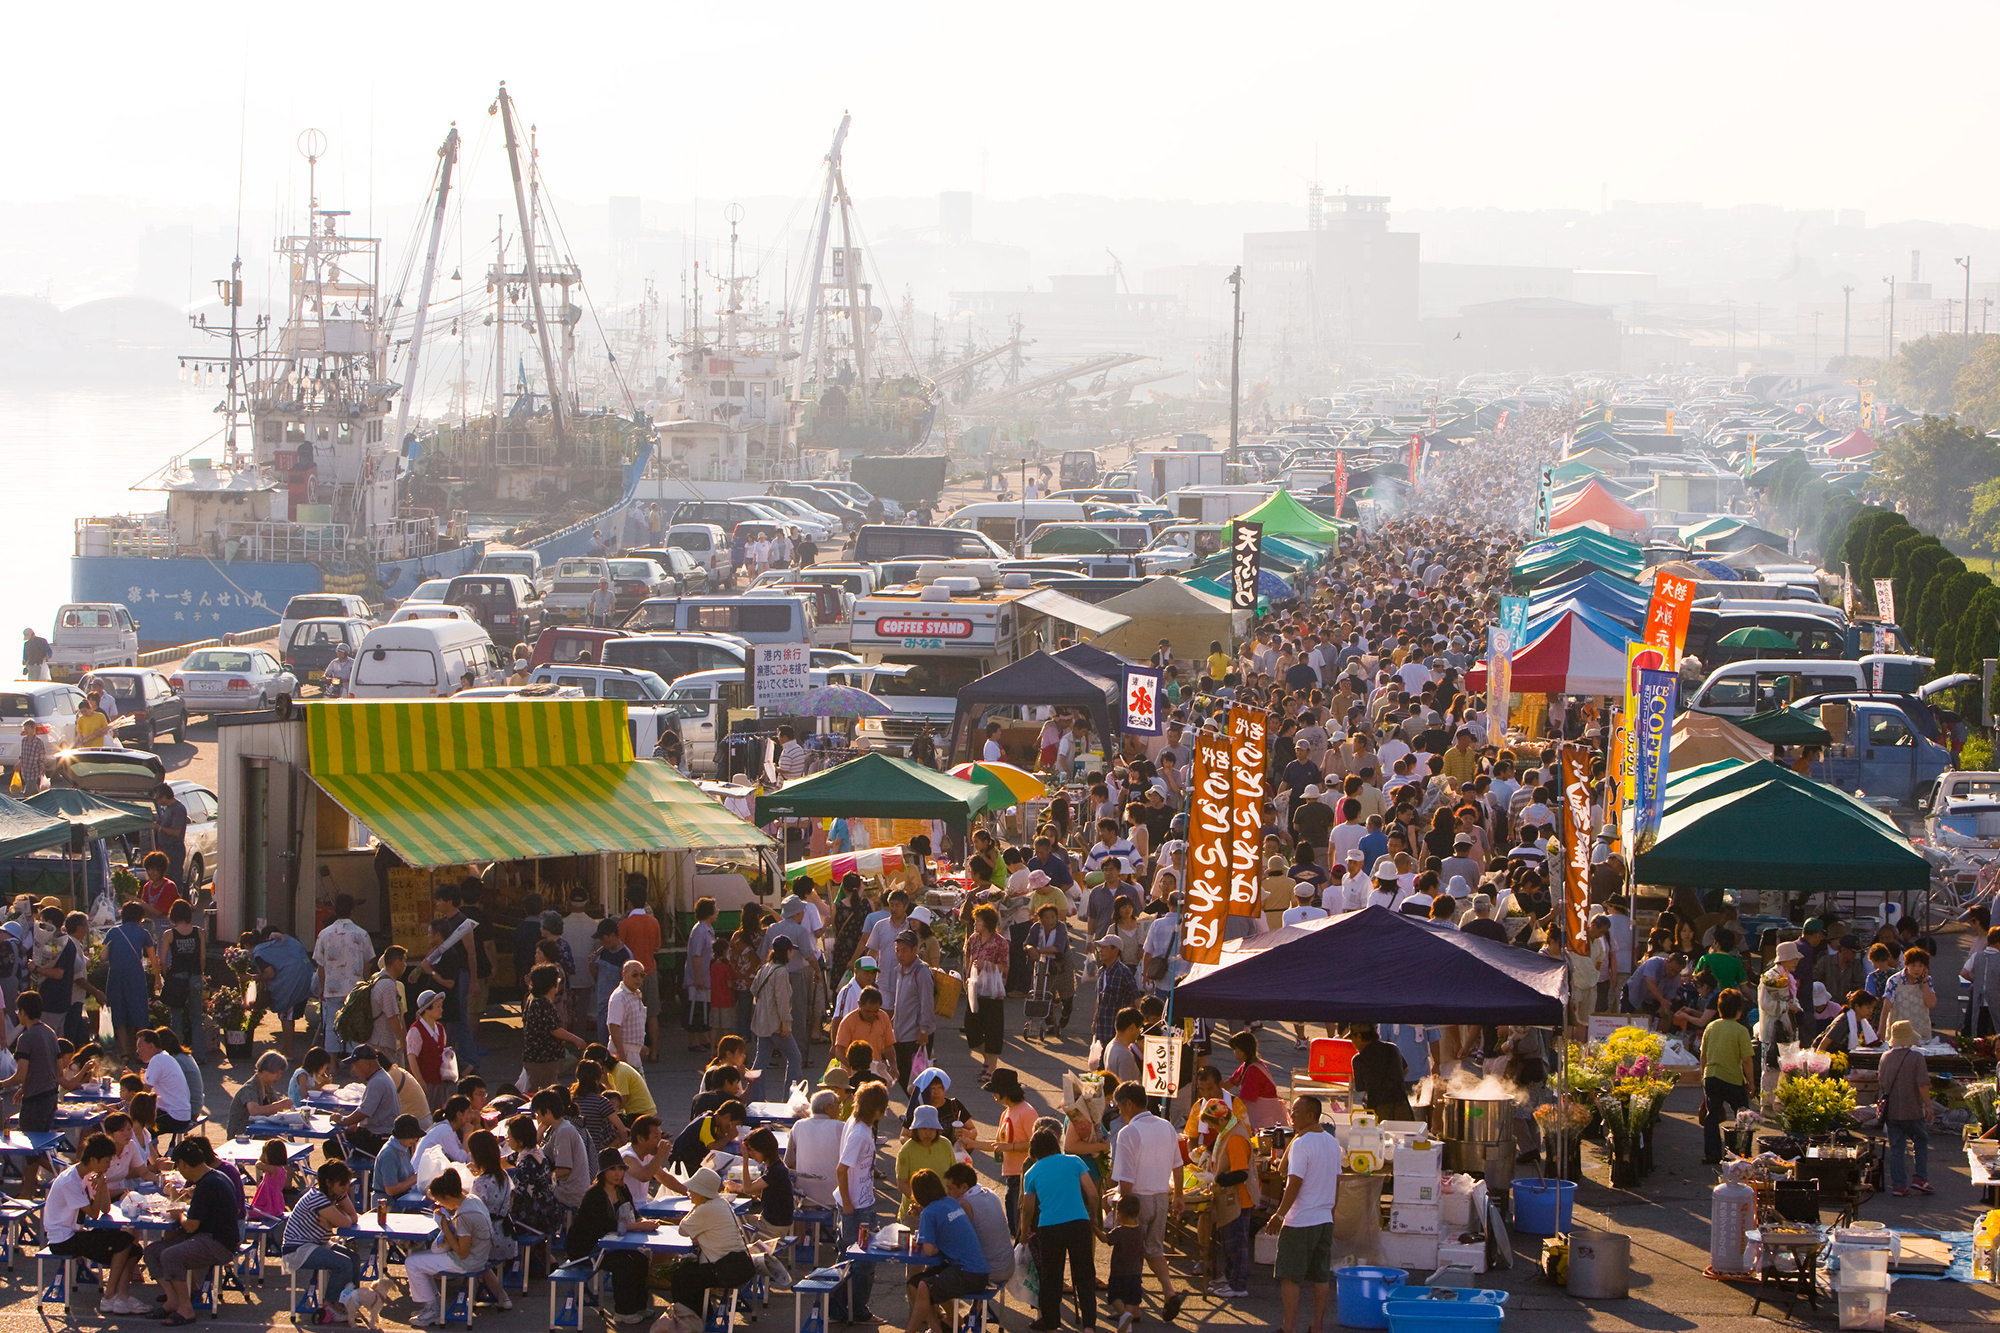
(1541, 1207)
(1362, 1292)
(1424, 1316)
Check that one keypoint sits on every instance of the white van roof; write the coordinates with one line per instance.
(1035, 511)
(425, 634)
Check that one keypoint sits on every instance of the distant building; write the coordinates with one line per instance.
(1446, 289)
(1080, 314)
(1345, 283)
(1533, 334)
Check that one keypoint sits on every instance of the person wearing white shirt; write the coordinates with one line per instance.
(1146, 1162)
(342, 954)
(169, 1084)
(1392, 749)
(1303, 912)
(854, 1196)
(1355, 884)
(791, 755)
(1303, 1220)
(814, 1150)
(83, 1191)
(993, 754)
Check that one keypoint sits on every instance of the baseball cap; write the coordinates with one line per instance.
(908, 937)
(866, 964)
(1111, 941)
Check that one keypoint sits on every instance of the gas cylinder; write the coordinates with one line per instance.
(1732, 1211)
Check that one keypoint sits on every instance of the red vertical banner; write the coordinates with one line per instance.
(1206, 901)
(1576, 846)
(1248, 732)
(1339, 483)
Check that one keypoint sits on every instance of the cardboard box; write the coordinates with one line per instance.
(1415, 1218)
(1471, 1256)
(1425, 1190)
(1603, 1025)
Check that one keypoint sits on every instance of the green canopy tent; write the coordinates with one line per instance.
(1784, 726)
(879, 787)
(1759, 826)
(24, 829)
(1072, 541)
(95, 816)
(1282, 516)
(1574, 470)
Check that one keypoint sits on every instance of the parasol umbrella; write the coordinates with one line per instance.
(1073, 541)
(838, 701)
(1005, 784)
(1755, 636)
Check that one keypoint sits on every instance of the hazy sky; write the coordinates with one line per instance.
(1829, 105)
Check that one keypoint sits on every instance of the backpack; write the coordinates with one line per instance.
(355, 1019)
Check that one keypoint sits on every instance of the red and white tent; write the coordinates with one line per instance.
(1569, 659)
(1594, 504)
(1854, 446)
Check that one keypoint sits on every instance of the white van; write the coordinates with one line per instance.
(1738, 689)
(761, 619)
(1010, 524)
(424, 659)
(88, 635)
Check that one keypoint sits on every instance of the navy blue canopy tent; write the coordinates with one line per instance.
(1375, 966)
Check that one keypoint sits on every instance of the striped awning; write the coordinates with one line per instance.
(447, 783)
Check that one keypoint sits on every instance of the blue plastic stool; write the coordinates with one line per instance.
(571, 1288)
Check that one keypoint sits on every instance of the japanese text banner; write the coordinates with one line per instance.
(1667, 615)
(1576, 846)
(1142, 701)
(1248, 732)
(1208, 853)
(1657, 691)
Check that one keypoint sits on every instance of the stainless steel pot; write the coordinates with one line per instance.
(1476, 1120)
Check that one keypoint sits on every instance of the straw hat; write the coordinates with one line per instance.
(705, 1184)
(1901, 1033)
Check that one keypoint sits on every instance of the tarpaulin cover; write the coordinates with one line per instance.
(1594, 504)
(24, 829)
(1374, 966)
(1167, 608)
(446, 783)
(97, 817)
(1785, 726)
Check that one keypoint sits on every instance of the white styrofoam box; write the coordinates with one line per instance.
(1861, 1268)
(1406, 1128)
(1419, 1189)
(1471, 1256)
(1413, 1218)
(1863, 1309)
(1417, 1163)
(1457, 1211)
(1410, 1251)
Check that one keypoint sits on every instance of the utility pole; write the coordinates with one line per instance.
(1966, 264)
(1235, 352)
(1846, 319)
(1890, 349)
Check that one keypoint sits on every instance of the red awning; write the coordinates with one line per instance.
(1594, 504)
(1855, 445)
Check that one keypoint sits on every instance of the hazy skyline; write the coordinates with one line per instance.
(1452, 105)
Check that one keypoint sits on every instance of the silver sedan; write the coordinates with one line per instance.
(232, 680)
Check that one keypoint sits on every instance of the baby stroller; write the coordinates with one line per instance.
(1044, 1012)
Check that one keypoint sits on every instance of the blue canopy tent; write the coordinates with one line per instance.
(1375, 966)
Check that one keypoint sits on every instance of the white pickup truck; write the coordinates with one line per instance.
(89, 635)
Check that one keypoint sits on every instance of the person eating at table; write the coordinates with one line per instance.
(35, 1074)
(705, 1133)
(83, 1191)
(369, 1125)
(464, 1245)
(207, 1235)
(131, 1162)
(259, 1096)
(645, 1155)
(606, 1209)
(396, 1165)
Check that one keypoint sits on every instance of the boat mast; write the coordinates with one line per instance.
(448, 156)
(812, 343)
(505, 105)
(499, 326)
(857, 318)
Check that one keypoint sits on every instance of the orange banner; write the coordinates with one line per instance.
(1667, 615)
(1207, 897)
(1576, 846)
(1248, 728)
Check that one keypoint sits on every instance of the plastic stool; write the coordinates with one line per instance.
(719, 1308)
(457, 1308)
(18, 1218)
(312, 1299)
(816, 1218)
(820, 1285)
(56, 1290)
(571, 1288)
(974, 1319)
(520, 1270)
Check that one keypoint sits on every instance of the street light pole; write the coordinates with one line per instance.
(1235, 352)
(1890, 349)
(1846, 319)
(1966, 264)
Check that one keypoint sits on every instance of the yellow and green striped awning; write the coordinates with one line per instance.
(446, 783)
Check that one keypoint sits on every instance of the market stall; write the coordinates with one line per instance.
(1039, 678)
(1167, 608)
(877, 785)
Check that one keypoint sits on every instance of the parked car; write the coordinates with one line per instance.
(409, 611)
(507, 606)
(829, 502)
(425, 659)
(148, 705)
(314, 642)
(568, 600)
(671, 656)
(507, 560)
(688, 575)
(88, 635)
(232, 680)
(806, 515)
(604, 682)
(569, 643)
(707, 545)
(333, 606)
(430, 590)
(726, 514)
(633, 581)
(51, 705)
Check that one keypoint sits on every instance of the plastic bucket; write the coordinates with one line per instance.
(1541, 1207)
(1362, 1293)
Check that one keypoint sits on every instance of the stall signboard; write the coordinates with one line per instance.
(1514, 620)
(1885, 600)
(1667, 614)
(1655, 721)
(1142, 701)
(1576, 846)
(1639, 656)
(1339, 482)
(1246, 565)
(1207, 853)
(781, 673)
(1248, 732)
(1160, 1063)
(1499, 682)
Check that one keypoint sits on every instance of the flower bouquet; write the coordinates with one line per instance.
(1562, 1126)
(1806, 1061)
(1808, 1106)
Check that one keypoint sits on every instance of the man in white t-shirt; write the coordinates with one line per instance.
(814, 1150)
(1303, 1221)
(81, 1191)
(1303, 912)
(168, 1083)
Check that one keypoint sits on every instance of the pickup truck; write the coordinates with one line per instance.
(88, 635)
(568, 599)
(1884, 757)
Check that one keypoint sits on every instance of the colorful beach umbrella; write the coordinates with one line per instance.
(839, 701)
(1005, 784)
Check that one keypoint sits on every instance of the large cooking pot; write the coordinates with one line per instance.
(1476, 1119)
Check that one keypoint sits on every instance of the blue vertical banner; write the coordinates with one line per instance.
(1657, 694)
(1142, 701)
(1514, 620)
